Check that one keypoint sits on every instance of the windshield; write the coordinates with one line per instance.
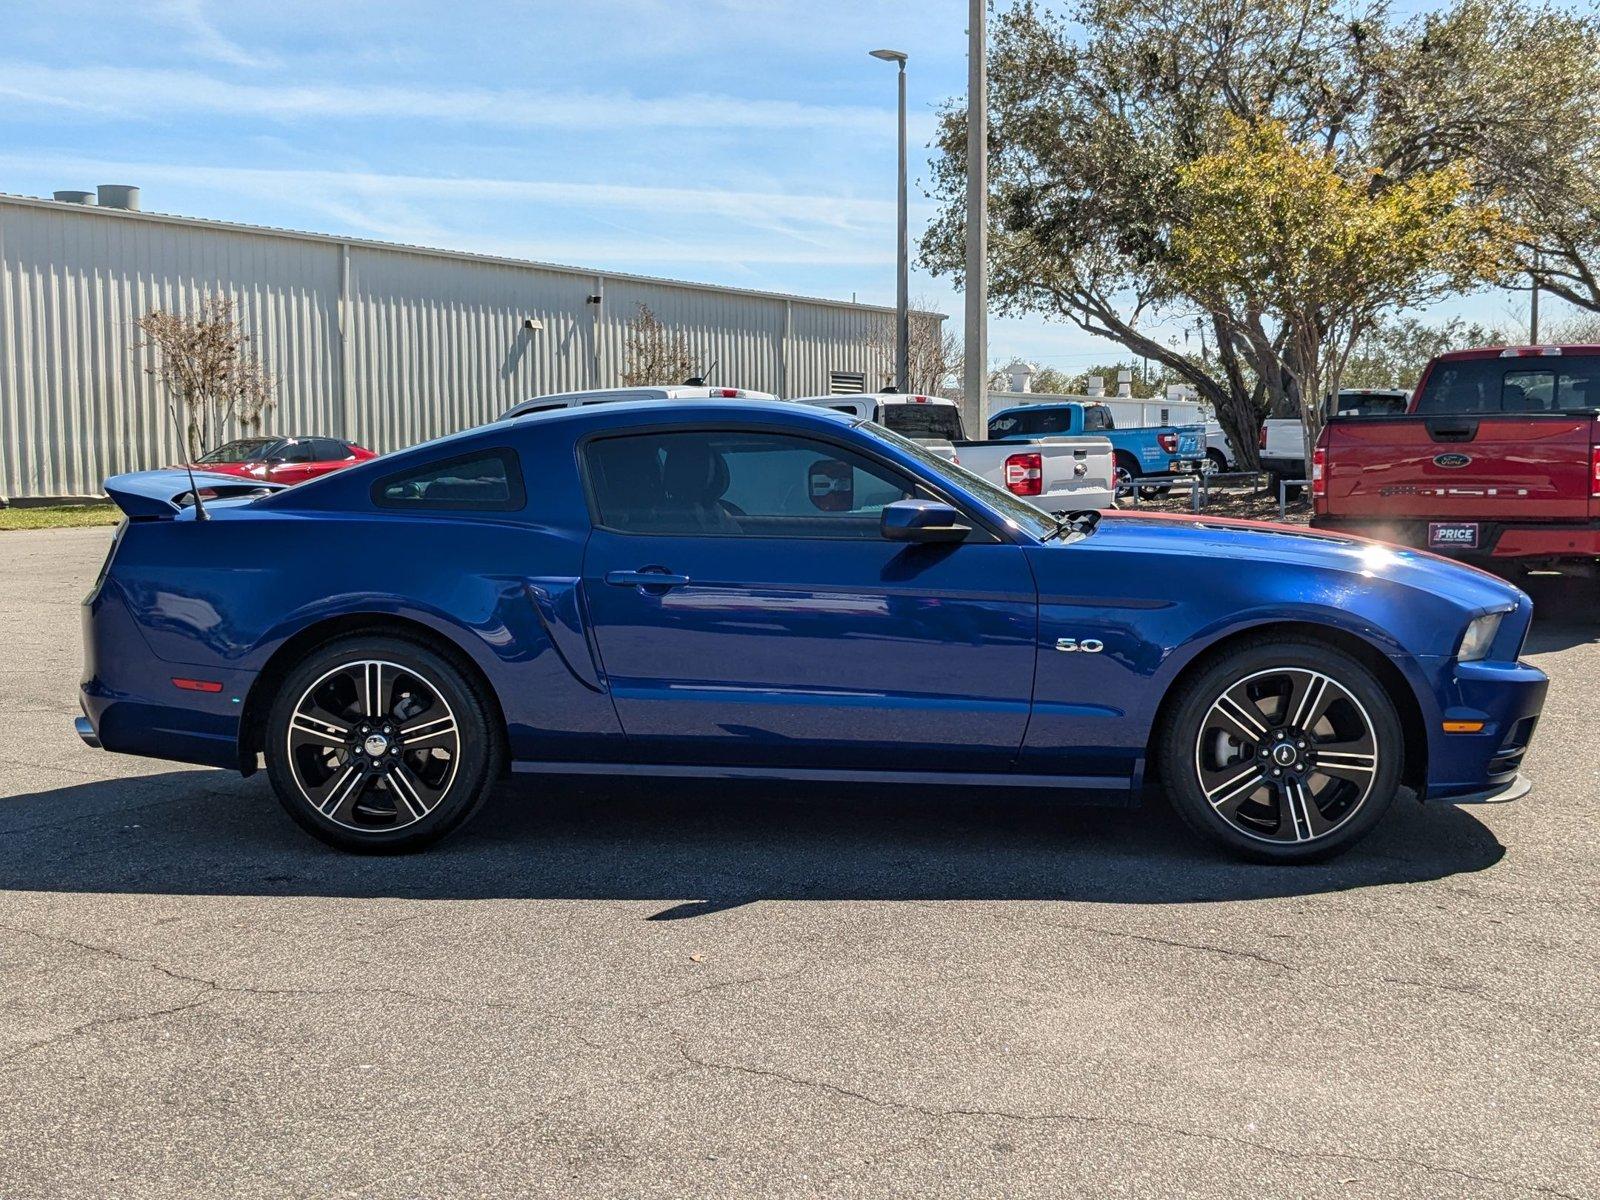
(243, 450)
(942, 421)
(1016, 513)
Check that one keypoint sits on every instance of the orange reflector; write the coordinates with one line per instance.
(197, 685)
(1463, 726)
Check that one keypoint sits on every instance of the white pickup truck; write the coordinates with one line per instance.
(1283, 445)
(1062, 474)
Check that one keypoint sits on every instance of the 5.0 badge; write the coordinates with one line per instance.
(1074, 645)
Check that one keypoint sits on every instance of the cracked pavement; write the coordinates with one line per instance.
(655, 990)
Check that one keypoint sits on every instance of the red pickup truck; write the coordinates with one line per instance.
(1496, 457)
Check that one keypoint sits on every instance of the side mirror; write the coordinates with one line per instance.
(923, 521)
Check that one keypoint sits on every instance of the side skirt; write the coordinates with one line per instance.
(1079, 789)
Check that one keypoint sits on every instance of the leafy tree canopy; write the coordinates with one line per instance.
(1116, 128)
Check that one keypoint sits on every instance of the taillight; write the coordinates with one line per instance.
(1262, 439)
(1025, 475)
(1319, 472)
(1169, 442)
(1594, 472)
(726, 393)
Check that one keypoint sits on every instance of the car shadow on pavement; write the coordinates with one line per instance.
(695, 847)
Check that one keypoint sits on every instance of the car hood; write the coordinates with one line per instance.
(1260, 543)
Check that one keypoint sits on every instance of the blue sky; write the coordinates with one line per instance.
(747, 142)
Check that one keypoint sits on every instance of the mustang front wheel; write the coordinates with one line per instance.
(379, 744)
(1288, 750)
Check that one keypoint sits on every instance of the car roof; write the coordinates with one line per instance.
(684, 410)
(876, 398)
(585, 397)
(1545, 351)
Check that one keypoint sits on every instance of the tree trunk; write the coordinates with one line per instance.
(1236, 409)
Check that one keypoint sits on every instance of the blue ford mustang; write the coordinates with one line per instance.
(763, 589)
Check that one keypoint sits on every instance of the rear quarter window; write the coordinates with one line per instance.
(482, 481)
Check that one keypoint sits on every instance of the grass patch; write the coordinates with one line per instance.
(58, 516)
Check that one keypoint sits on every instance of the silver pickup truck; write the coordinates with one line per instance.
(1054, 474)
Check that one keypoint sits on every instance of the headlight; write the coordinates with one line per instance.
(1479, 636)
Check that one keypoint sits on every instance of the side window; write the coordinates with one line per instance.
(328, 450)
(733, 484)
(483, 481)
(1578, 386)
(296, 451)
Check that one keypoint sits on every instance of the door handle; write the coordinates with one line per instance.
(650, 578)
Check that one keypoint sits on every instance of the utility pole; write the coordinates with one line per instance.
(976, 365)
(1533, 305)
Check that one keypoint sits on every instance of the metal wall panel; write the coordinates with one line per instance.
(389, 345)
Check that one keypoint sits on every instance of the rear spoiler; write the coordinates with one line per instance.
(162, 495)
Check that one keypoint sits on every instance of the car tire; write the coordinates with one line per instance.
(381, 745)
(1298, 707)
(1124, 470)
(1215, 462)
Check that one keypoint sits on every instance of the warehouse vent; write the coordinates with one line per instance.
(846, 383)
(119, 195)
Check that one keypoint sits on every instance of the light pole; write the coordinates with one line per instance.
(902, 314)
(976, 374)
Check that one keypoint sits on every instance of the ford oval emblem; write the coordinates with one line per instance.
(1451, 460)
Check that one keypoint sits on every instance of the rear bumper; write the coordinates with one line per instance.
(1545, 541)
(1287, 468)
(1074, 501)
(130, 701)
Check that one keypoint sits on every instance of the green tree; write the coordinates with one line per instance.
(1394, 352)
(1512, 90)
(1096, 114)
(1294, 239)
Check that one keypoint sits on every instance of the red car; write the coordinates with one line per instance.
(1496, 458)
(282, 459)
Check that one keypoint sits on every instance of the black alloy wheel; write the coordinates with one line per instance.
(380, 744)
(1289, 750)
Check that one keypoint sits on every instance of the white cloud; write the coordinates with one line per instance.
(204, 38)
(665, 224)
(145, 93)
(825, 211)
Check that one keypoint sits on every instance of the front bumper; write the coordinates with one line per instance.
(1499, 794)
(1507, 697)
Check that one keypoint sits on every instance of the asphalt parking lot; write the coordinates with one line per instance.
(710, 990)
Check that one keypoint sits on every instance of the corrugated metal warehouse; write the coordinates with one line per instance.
(384, 344)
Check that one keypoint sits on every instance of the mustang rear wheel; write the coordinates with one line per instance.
(1286, 750)
(379, 744)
